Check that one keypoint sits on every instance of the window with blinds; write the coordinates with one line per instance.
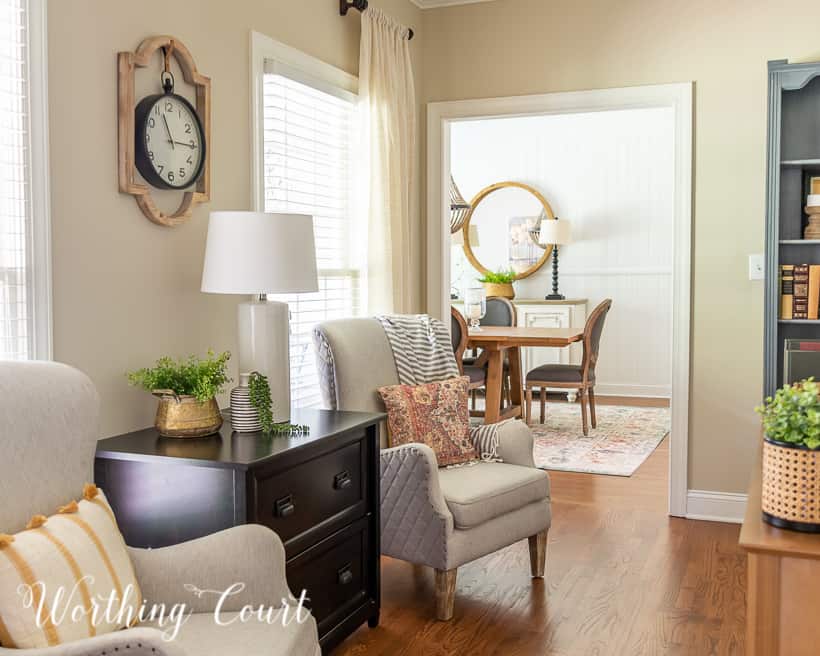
(16, 330)
(309, 143)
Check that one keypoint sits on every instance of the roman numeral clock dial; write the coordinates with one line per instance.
(169, 141)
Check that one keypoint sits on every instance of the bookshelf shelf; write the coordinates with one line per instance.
(799, 163)
(800, 242)
(807, 322)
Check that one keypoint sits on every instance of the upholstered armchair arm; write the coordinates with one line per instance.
(515, 443)
(134, 642)
(251, 555)
(414, 516)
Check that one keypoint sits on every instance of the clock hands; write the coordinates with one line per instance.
(168, 130)
(182, 143)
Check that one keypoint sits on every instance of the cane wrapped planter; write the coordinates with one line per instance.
(791, 486)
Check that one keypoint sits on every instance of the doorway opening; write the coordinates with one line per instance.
(616, 166)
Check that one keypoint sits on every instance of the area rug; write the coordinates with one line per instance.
(624, 438)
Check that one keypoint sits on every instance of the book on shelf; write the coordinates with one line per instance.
(800, 291)
(800, 304)
(786, 291)
(814, 290)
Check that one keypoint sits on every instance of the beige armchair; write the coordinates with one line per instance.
(48, 435)
(441, 518)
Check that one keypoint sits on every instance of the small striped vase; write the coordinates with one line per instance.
(244, 417)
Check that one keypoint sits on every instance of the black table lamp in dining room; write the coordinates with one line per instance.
(554, 232)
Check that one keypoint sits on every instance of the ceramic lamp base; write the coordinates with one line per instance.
(264, 346)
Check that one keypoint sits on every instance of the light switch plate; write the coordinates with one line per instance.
(756, 270)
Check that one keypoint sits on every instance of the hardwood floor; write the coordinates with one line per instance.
(622, 579)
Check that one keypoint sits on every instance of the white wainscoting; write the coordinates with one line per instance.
(611, 174)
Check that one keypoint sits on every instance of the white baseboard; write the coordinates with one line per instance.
(618, 389)
(715, 506)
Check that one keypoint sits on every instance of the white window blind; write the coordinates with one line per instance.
(309, 142)
(16, 328)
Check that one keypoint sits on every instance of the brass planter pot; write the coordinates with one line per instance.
(184, 416)
(503, 289)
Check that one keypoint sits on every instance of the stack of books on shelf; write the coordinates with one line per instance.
(799, 291)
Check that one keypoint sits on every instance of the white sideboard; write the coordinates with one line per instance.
(540, 313)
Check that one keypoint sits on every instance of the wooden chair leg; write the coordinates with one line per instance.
(538, 554)
(445, 593)
(593, 419)
(584, 423)
(528, 406)
(543, 404)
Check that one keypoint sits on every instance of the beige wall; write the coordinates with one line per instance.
(127, 291)
(514, 47)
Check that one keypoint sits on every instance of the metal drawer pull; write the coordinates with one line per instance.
(342, 480)
(284, 507)
(345, 576)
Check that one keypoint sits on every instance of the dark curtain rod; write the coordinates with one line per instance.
(361, 5)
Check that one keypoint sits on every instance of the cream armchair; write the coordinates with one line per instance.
(442, 518)
(48, 435)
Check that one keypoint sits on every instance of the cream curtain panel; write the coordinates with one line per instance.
(388, 101)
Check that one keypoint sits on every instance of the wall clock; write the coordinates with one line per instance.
(164, 137)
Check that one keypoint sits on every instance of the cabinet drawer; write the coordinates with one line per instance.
(308, 496)
(334, 575)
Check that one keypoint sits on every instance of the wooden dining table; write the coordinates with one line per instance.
(498, 340)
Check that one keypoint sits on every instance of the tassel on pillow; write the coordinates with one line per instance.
(90, 491)
(36, 522)
(69, 508)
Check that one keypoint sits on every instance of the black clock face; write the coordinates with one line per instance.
(170, 146)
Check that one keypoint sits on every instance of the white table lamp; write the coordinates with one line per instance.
(554, 232)
(262, 253)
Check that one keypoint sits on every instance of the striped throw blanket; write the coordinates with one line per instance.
(421, 348)
(423, 354)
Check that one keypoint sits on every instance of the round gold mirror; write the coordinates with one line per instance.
(503, 216)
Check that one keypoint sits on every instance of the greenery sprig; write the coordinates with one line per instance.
(498, 277)
(793, 414)
(200, 378)
(260, 398)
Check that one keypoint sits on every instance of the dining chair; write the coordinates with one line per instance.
(571, 376)
(458, 335)
(500, 312)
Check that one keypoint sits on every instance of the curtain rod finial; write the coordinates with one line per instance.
(344, 5)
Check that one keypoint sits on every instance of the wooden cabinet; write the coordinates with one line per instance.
(783, 595)
(319, 492)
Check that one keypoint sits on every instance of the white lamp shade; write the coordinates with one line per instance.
(259, 253)
(554, 231)
(457, 238)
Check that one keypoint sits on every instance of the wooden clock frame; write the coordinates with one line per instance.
(127, 64)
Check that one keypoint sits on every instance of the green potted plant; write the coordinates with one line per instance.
(499, 283)
(791, 457)
(187, 390)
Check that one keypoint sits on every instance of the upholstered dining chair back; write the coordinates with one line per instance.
(458, 336)
(593, 330)
(500, 312)
(49, 417)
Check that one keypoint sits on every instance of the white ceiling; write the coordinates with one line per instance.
(432, 4)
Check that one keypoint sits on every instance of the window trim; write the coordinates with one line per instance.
(39, 248)
(265, 48)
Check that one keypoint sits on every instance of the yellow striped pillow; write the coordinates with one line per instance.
(58, 576)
